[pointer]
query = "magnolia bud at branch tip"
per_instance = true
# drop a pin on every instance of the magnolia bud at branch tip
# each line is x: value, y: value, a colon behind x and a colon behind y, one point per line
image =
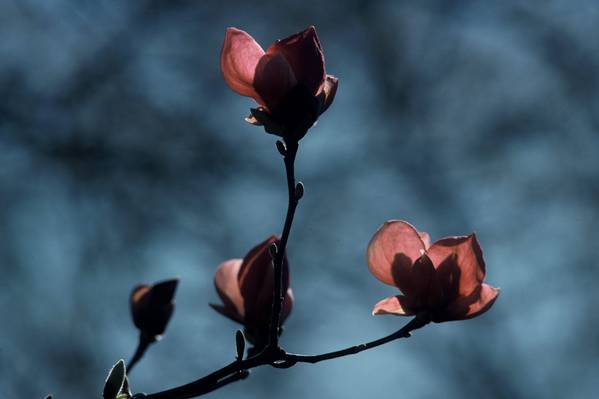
x: 152, y: 307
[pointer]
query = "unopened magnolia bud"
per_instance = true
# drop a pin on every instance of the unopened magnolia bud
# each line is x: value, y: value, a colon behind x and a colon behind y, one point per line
x: 152, y: 307
x: 246, y: 287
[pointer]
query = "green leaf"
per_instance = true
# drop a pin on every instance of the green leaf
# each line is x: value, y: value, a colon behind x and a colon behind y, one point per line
x: 114, y: 381
x: 125, y: 388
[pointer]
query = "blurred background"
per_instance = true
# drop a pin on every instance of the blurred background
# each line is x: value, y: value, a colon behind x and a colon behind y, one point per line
x: 124, y: 158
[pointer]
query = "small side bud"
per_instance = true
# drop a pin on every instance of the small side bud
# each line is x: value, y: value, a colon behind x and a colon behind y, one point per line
x: 240, y: 342
x: 115, y: 380
x: 299, y: 191
x: 273, y: 249
x: 281, y: 147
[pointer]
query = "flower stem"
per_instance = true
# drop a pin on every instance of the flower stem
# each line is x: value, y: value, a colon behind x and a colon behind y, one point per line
x: 217, y: 379
x: 228, y: 374
x: 272, y: 354
x: 143, y: 344
x: 404, y: 332
x: 278, y: 295
x: 237, y: 370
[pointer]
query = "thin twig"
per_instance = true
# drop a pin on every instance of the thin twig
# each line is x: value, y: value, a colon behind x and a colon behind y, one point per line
x: 142, y: 345
x: 206, y: 384
x: 404, y: 332
x: 278, y: 294
x: 279, y: 359
x: 272, y: 354
x: 240, y: 375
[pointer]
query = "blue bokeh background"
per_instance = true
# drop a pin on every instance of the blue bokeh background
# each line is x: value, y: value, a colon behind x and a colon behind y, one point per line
x: 124, y: 158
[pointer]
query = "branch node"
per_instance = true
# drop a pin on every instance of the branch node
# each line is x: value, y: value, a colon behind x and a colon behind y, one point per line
x: 243, y: 374
x: 299, y: 191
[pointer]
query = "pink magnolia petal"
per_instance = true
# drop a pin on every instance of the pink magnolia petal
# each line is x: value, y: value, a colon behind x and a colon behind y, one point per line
x: 397, y: 305
x: 256, y: 273
x: 327, y: 93
x: 152, y: 306
x: 467, y: 307
x: 468, y: 258
x: 238, y: 60
x: 395, y: 246
x: 227, y: 286
x: 303, y: 52
x: 488, y: 296
x: 274, y: 78
x: 259, y: 255
x: 426, y: 238
x: 227, y: 312
x: 256, y: 278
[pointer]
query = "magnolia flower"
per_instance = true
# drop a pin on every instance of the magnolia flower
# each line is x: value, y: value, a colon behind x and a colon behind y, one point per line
x: 444, y: 279
x: 152, y: 307
x: 246, y: 288
x: 288, y: 81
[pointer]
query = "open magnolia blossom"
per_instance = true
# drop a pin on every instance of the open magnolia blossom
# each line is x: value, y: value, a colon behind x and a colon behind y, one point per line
x: 444, y: 279
x: 288, y: 81
x: 246, y: 288
x: 152, y: 307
